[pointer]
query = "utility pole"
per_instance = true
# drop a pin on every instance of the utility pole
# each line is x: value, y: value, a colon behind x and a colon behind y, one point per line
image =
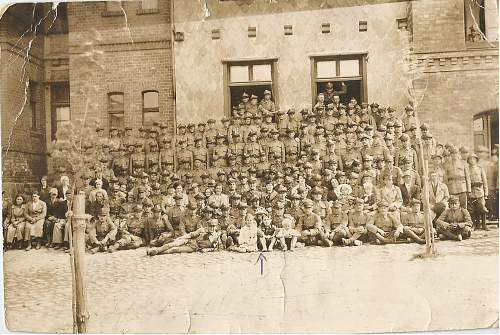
x: 77, y: 253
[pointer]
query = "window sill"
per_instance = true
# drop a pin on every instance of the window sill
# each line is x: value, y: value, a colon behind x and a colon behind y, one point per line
x: 141, y: 11
x: 112, y: 13
x: 481, y: 45
x: 38, y: 133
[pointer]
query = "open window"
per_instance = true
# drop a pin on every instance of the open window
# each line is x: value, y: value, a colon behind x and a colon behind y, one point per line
x: 347, y: 73
x: 115, y: 110
x: 251, y: 77
x: 150, y: 107
x: 481, y: 20
x: 60, y: 106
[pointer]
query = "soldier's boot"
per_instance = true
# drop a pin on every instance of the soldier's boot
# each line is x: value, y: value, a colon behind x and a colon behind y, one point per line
x: 229, y: 242
x: 94, y: 250
x: 283, y: 244
x: 28, y: 247
x: 271, y: 244
x: 224, y: 241
x: 483, y: 221
x: 38, y: 244
x: 113, y: 248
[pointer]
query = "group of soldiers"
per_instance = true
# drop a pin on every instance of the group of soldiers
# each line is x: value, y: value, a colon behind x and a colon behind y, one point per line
x: 266, y: 178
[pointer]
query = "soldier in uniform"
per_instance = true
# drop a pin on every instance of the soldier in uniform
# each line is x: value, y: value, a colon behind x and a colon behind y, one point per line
x: 120, y: 165
x: 253, y: 106
x: 167, y: 155
x: 181, y: 134
x: 138, y: 159
x: 310, y: 227
x: 200, y: 154
x: 252, y: 148
x: 219, y: 152
x: 101, y: 231
x: 336, y: 224
x: 130, y: 235
x: 457, y: 177
x: 282, y: 123
x: 406, y: 152
x: 204, y: 238
x: 191, y: 134
x: 479, y: 190
x: 210, y: 139
x: 266, y: 104
x: 276, y: 149
x: 384, y: 228
x: 237, y: 148
x: 413, y: 223
x: 184, y: 157
x: 175, y: 214
x: 153, y: 158
x: 455, y: 222
x: 357, y: 221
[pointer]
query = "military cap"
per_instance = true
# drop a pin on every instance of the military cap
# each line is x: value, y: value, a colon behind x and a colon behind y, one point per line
x: 252, y: 180
x: 178, y: 197
x: 317, y: 190
x: 163, y: 125
x: 245, y: 95
x: 412, y: 127
x: 453, y: 200
x: 175, y: 177
x: 242, y: 205
x: 290, y: 130
x: 235, y: 196
x: 188, y: 175
x: 427, y: 136
x: 253, y: 96
x: 138, y: 207
x: 295, y: 196
x: 157, y: 208
x: 153, y: 131
x: 464, y: 149
x: 291, y: 111
x: 472, y: 155
x: 211, y: 183
x: 308, y: 203
x: 221, y: 173
x: 382, y: 128
x: 368, y: 127
x: 267, y: 92
x: 389, y: 136
x: 274, y: 131
x: 391, y: 109
x: 260, y: 211
x: 219, y: 135
x: 99, y: 129
x: 281, y: 189
x: 382, y: 203
x: 211, y: 121
x: 404, y: 138
x: 308, y: 165
x: 199, y: 196
x: 181, y: 125
x: 191, y: 125
x: 304, y: 111
x: 224, y: 119
x: 252, y: 170
x: 408, y: 108
x: 104, y: 211
x: 453, y: 149
x: 374, y: 105
x: 281, y: 112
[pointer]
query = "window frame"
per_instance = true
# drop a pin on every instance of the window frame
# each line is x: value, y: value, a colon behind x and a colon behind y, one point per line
x: 145, y: 110
x: 108, y: 12
x: 35, y: 124
x: 337, y: 57
x: 58, y: 104
x: 142, y: 11
x: 112, y: 112
x: 227, y: 63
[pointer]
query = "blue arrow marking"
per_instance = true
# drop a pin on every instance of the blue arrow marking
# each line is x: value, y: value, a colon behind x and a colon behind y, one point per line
x: 261, y: 258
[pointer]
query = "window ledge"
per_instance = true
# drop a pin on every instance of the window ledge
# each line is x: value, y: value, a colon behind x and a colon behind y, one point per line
x: 112, y: 13
x: 481, y: 45
x: 141, y: 11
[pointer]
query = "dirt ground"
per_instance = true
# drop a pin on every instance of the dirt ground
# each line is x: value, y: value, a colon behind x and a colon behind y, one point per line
x: 358, y: 289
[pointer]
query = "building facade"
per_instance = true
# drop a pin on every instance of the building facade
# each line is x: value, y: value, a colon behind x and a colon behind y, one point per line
x: 189, y: 60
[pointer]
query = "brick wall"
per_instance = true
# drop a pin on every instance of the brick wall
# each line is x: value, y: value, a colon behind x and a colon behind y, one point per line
x: 25, y: 160
x: 136, y: 57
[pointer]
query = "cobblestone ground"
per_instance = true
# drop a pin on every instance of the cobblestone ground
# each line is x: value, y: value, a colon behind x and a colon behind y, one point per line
x: 369, y: 288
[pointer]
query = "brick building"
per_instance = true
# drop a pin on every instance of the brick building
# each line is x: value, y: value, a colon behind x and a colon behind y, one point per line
x: 379, y: 49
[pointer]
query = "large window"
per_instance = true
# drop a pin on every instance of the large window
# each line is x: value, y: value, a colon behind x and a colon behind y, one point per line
x: 115, y: 110
x: 347, y: 73
x: 251, y: 77
x: 481, y: 20
x: 150, y: 107
x: 60, y: 106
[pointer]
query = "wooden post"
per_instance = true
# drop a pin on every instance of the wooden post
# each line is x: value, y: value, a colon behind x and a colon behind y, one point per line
x: 78, y: 224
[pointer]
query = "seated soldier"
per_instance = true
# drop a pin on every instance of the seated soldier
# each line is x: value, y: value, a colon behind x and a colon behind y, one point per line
x: 336, y: 223
x: 202, y: 239
x: 385, y: 227
x: 130, y: 234
x: 157, y: 227
x: 357, y: 221
x: 455, y: 222
x: 310, y: 227
x: 101, y: 232
x: 266, y: 234
x: 413, y: 223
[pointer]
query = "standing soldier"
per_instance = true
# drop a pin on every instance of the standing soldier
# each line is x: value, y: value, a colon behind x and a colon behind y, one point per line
x: 219, y: 152
x: 266, y: 104
x: 138, y: 159
x: 282, y: 123
x: 184, y: 157
x: 406, y: 152
x: 479, y: 190
x: 120, y: 165
x: 252, y: 148
x: 210, y: 139
x: 167, y: 155
x: 114, y: 140
x: 457, y: 177
x: 253, y: 107
x: 128, y: 138
x: 153, y: 159
x: 181, y: 134
x: 491, y: 169
x: 191, y: 134
x: 236, y: 148
x: 200, y: 154
x: 276, y: 149
x: 455, y: 223
x: 409, y: 118
x: 292, y: 147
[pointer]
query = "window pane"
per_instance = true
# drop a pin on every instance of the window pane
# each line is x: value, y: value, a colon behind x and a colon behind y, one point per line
x: 349, y: 68
x: 149, y: 4
x: 150, y: 99
x: 239, y: 74
x: 150, y: 117
x: 113, y: 6
x: 60, y: 93
x: 62, y: 114
x: 262, y: 72
x: 115, y: 102
x: 326, y: 69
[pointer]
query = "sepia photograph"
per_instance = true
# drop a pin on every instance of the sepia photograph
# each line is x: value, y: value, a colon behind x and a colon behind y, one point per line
x: 250, y: 166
